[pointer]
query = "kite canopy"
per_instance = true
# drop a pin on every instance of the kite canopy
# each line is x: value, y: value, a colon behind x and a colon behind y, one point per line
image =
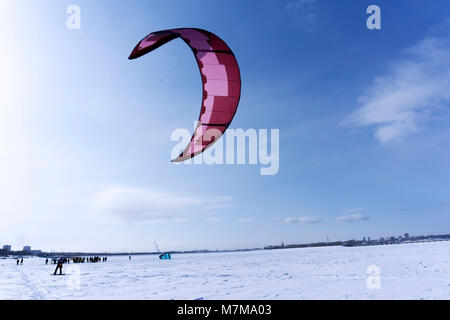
x: 221, y: 82
x: 165, y: 256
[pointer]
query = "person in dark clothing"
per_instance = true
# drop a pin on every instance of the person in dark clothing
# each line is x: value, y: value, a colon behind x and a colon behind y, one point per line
x: 59, y: 266
x: 21, y: 261
x: 46, y: 261
x: 18, y: 261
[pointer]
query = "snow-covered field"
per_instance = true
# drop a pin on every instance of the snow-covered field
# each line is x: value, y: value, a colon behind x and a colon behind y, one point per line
x: 407, y: 271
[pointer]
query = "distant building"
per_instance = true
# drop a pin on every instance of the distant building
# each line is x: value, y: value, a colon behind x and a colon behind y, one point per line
x: 36, y: 252
x: 406, y: 236
x: 6, y: 248
x: 27, y: 249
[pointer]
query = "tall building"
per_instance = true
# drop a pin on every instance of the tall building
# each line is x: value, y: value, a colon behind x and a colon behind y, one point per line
x: 406, y: 236
x: 27, y: 249
x: 6, y: 248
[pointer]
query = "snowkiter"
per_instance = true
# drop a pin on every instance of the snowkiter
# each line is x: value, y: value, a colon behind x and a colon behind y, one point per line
x: 59, y: 266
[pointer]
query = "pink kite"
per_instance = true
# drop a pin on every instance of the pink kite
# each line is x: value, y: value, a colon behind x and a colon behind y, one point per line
x: 221, y: 82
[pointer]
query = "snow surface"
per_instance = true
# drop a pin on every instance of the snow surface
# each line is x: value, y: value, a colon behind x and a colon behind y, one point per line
x: 408, y: 271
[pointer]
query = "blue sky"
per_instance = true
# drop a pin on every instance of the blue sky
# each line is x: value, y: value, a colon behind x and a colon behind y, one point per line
x: 85, y: 133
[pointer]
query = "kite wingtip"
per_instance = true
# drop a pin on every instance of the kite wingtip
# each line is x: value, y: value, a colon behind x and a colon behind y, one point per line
x: 180, y: 158
x: 135, y: 53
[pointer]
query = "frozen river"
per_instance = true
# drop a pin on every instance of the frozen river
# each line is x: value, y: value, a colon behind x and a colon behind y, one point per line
x: 407, y: 271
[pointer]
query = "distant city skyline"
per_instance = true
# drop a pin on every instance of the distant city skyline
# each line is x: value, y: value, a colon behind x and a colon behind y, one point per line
x: 381, y: 240
x: 85, y: 134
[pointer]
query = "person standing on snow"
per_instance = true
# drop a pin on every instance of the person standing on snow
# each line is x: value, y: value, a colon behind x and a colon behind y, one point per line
x: 59, y: 266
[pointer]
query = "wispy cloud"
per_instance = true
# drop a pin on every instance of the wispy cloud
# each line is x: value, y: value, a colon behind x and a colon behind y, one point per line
x: 303, y: 220
x: 352, y: 217
x: 353, y: 210
x: 213, y: 219
x: 219, y: 206
x: 135, y: 204
x: 401, y: 101
x: 246, y: 220
x: 304, y: 13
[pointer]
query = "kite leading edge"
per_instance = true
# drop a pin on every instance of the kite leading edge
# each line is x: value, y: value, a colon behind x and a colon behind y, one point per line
x: 220, y: 77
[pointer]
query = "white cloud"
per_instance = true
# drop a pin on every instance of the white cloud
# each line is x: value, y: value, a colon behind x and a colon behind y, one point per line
x: 134, y: 204
x: 303, y: 220
x: 219, y: 206
x: 246, y: 220
x: 213, y: 219
x: 400, y: 102
x: 353, y: 210
x: 352, y: 217
x: 303, y: 10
